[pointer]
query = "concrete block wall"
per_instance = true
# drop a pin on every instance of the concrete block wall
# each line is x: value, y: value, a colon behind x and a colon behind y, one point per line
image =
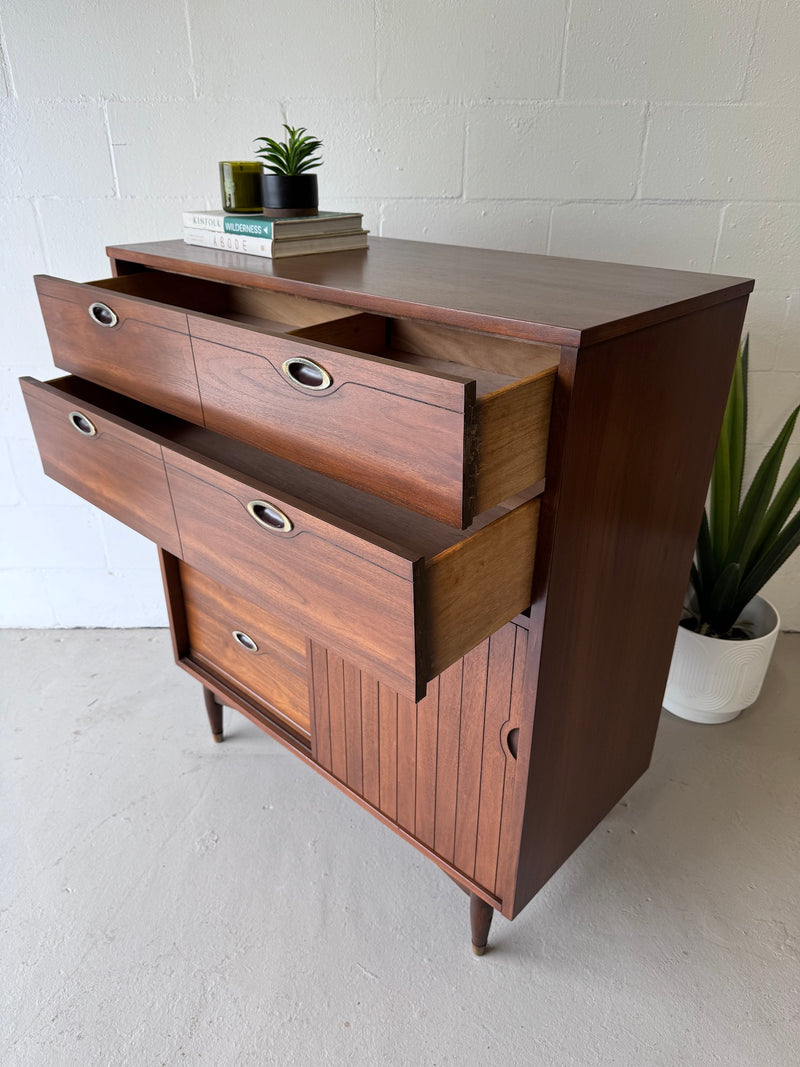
x: 663, y: 132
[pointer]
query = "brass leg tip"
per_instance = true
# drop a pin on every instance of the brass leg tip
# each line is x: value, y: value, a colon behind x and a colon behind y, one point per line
x: 479, y: 950
x: 217, y: 737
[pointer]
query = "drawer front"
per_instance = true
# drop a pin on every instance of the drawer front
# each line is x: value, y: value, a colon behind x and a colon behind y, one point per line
x: 322, y: 579
x: 107, y: 464
x: 404, y: 434
x: 402, y: 596
x: 385, y: 405
x: 250, y: 649
x: 144, y: 352
x: 441, y: 768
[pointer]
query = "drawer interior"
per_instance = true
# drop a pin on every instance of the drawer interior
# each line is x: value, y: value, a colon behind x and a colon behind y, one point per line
x: 353, y: 508
x: 276, y: 312
x: 493, y: 361
x: 451, y: 419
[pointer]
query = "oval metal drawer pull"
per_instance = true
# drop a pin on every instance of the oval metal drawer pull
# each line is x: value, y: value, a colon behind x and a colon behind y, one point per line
x: 269, y: 516
x: 245, y: 640
x: 307, y: 373
x: 82, y: 424
x: 102, y: 314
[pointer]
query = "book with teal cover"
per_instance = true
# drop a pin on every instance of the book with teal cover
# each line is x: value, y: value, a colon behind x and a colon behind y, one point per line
x: 324, y: 222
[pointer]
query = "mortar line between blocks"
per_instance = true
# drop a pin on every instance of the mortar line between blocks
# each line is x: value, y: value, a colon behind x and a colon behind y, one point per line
x: 722, y: 214
x: 111, y: 155
x: 192, y: 75
x: 5, y: 64
x: 42, y: 233
x: 562, y: 70
x: 648, y: 111
x: 750, y: 50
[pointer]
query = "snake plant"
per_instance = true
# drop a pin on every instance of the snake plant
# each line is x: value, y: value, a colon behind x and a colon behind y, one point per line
x: 744, y: 538
x: 292, y: 156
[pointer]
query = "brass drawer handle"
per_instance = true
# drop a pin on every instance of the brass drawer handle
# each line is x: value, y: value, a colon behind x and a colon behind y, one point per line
x: 82, y: 424
x: 102, y: 314
x: 245, y: 640
x: 269, y: 516
x: 307, y: 373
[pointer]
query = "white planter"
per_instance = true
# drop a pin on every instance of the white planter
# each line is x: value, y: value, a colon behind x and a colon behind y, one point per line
x: 712, y: 680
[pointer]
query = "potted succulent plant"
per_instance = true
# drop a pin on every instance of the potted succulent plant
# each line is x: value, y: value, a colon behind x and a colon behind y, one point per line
x: 728, y: 632
x: 287, y: 187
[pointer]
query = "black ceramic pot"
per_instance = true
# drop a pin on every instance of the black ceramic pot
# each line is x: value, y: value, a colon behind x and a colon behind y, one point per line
x: 289, y: 194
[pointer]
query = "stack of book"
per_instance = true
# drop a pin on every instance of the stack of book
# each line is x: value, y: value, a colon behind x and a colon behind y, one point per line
x: 260, y: 235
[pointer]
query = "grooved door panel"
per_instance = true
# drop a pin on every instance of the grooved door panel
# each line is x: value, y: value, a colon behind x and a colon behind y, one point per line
x: 440, y: 769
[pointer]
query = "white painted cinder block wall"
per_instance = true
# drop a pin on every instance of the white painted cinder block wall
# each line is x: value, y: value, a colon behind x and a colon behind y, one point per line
x: 663, y: 132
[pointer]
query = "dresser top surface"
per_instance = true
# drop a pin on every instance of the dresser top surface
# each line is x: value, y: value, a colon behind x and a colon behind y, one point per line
x: 543, y: 298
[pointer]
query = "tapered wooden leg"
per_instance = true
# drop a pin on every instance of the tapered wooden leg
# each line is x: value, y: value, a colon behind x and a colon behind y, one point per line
x: 480, y: 917
x: 214, y: 709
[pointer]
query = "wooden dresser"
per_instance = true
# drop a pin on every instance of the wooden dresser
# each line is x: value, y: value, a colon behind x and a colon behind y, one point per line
x: 425, y: 514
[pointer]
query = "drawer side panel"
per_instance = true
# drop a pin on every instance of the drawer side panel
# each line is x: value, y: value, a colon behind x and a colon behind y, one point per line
x: 116, y: 470
x: 147, y: 355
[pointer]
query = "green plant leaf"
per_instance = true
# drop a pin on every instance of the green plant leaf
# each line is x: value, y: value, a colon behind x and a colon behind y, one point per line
x: 745, y: 350
x: 747, y: 531
x: 736, y: 436
x: 755, y: 536
x: 719, y: 517
x: 784, y: 545
x: 777, y: 514
x: 293, y: 156
x: 308, y: 165
x: 706, y: 568
x: 696, y: 582
x: 722, y: 613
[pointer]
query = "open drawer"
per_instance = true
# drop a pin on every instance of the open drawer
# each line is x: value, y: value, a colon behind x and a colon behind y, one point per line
x: 444, y: 421
x: 398, y: 594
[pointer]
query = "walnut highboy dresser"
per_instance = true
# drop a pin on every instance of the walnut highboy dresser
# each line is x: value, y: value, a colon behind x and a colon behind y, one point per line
x: 425, y: 514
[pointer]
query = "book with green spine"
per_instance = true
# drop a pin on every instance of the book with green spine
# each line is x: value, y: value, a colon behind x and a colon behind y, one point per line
x: 323, y: 223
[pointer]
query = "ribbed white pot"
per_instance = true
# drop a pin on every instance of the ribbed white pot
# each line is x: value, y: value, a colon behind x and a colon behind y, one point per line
x: 712, y: 680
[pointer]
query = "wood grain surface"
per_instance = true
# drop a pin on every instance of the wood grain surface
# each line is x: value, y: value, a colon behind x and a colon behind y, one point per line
x: 433, y: 434
x: 275, y: 674
x: 399, y: 432
x: 529, y: 733
x: 116, y: 469
x: 357, y: 597
x: 542, y: 298
x: 391, y: 611
x: 396, y: 593
x: 147, y: 355
x: 635, y: 426
x: 475, y: 587
x: 438, y: 768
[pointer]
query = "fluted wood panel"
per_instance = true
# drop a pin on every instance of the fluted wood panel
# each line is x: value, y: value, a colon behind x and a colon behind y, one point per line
x: 440, y: 768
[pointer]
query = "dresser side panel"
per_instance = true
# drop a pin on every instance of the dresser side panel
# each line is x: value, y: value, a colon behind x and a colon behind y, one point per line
x: 636, y: 423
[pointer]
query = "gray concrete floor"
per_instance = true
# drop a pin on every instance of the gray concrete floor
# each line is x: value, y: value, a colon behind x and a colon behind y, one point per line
x: 169, y: 901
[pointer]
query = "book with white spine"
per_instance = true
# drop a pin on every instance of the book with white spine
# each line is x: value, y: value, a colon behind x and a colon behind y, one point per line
x: 277, y: 248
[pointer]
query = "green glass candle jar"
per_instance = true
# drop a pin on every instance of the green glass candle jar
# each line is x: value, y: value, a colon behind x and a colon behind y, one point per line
x: 240, y: 185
